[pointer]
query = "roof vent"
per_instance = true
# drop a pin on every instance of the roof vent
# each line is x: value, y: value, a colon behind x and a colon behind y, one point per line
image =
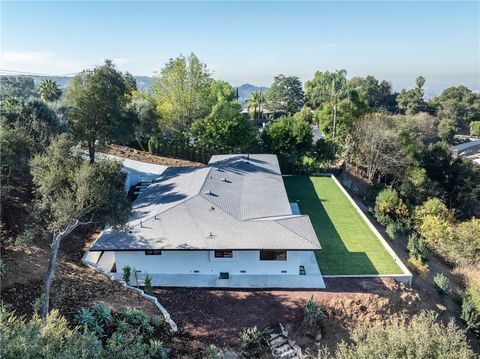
x: 209, y: 192
x: 212, y: 208
x: 225, y: 180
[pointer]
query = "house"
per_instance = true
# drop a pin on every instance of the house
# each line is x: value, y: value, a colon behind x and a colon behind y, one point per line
x: 470, y: 149
x: 228, y: 224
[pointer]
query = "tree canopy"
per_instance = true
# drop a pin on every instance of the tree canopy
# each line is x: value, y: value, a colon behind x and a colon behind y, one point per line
x: 98, y: 101
x: 285, y: 95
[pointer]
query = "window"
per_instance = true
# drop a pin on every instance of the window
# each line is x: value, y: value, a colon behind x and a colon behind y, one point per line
x: 273, y: 255
x: 223, y: 254
x: 153, y: 252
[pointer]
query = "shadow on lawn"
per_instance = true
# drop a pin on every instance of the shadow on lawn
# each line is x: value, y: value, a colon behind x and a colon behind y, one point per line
x: 302, y: 190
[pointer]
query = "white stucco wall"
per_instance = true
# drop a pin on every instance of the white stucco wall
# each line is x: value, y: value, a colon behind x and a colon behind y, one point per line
x: 186, y: 262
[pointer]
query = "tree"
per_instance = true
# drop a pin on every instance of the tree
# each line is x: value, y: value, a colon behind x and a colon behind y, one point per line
x: 458, y: 103
x: 420, y: 337
x: 411, y: 101
x: 225, y: 129
x: 327, y: 87
x: 146, y: 120
x: 49, y: 90
x: 447, y: 128
x: 98, y: 114
x: 18, y: 87
x: 181, y: 91
x: 379, y: 95
x: 256, y: 102
x: 285, y: 95
x: 70, y: 193
x: 377, y: 147
x: 288, y: 137
x: 475, y: 128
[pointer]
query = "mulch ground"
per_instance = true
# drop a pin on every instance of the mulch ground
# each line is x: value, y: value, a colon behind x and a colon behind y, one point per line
x: 134, y: 154
x: 208, y: 316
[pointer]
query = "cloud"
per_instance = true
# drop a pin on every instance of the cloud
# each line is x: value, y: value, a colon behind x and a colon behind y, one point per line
x: 122, y: 61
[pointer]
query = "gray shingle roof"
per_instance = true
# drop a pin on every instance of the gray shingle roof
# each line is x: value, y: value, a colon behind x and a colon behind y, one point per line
x: 237, y: 202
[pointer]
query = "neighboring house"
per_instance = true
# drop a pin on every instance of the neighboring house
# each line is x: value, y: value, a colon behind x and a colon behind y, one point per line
x: 229, y: 224
x: 469, y: 149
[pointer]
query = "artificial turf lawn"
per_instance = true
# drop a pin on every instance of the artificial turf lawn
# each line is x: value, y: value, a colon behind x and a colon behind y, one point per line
x: 348, y: 244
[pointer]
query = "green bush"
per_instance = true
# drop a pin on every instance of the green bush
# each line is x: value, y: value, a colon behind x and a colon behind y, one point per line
x: 158, y: 350
x: 441, y: 283
x: 251, y: 341
x: 422, y: 337
x: 3, y: 268
x: 148, y: 284
x: 390, y: 209
x: 475, y: 128
x: 391, y: 230
x: 102, y: 314
x: 211, y: 352
x: 417, y: 247
x: 470, y: 315
x: 313, y: 314
x: 127, y: 271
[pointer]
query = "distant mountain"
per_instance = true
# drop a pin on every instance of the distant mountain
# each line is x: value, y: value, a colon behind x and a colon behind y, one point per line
x: 245, y: 90
x: 143, y: 82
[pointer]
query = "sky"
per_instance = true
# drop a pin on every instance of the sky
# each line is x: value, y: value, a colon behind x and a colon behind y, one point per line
x: 250, y: 42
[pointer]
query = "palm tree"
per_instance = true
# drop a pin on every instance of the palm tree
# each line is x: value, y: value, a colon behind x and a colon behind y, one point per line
x: 49, y: 90
x: 256, y: 101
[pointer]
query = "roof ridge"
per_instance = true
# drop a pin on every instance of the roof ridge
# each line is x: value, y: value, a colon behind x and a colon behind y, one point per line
x: 168, y: 209
x: 292, y: 230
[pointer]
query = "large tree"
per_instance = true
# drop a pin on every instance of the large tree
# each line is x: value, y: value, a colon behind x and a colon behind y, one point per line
x: 458, y: 103
x: 19, y: 87
x: 412, y: 101
x: 288, y: 137
x: 379, y: 94
x: 225, y: 129
x: 70, y: 193
x: 285, y: 95
x: 182, y: 90
x: 49, y: 90
x: 327, y: 87
x: 378, y: 148
x: 98, y: 99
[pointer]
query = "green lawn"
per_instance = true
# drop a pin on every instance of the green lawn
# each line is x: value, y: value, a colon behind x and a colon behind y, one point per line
x: 348, y: 244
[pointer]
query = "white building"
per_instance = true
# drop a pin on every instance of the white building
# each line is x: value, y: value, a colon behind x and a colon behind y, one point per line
x: 228, y: 224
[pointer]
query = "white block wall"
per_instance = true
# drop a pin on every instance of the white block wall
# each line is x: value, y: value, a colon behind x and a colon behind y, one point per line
x: 185, y: 262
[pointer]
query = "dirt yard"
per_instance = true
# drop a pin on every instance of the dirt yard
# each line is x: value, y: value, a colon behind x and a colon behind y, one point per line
x: 143, y: 156
x: 217, y: 316
x: 75, y: 285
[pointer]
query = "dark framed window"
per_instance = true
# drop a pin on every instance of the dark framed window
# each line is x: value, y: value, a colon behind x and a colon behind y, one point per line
x: 223, y: 254
x: 273, y: 255
x: 153, y: 252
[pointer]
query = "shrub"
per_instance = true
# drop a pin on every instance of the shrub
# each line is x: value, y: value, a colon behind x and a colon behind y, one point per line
x: 211, y: 352
x: 158, y: 350
x: 251, y: 340
x: 433, y: 207
x: 418, y: 266
x: 470, y: 315
x: 391, y: 230
x: 85, y: 318
x: 475, y: 128
x: 465, y: 249
x: 126, y: 274
x: 441, y: 283
x: 421, y: 338
x: 390, y: 208
x: 417, y: 247
x: 102, y: 313
x: 157, y: 321
x: 148, y: 285
x: 313, y: 314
